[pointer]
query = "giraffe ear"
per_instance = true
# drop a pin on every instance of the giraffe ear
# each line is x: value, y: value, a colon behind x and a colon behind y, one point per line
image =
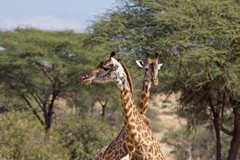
x: 157, y: 54
x: 140, y: 63
x: 160, y: 65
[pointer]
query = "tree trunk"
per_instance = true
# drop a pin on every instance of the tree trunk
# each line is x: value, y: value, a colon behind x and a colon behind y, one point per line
x: 216, y: 119
x: 235, y: 144
x: 217, y: 134
x: 48, y: 122
x: 103, y: 107
x: 49, y: 111
x: 103, y: 111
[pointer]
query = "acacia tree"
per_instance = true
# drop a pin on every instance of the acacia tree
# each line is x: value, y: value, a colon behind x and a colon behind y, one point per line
x: 38, y: 67
x: 205, y: 39
x: 200, y: 44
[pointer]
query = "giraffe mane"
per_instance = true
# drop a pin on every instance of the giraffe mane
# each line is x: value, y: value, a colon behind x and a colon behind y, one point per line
x: 128, y: 76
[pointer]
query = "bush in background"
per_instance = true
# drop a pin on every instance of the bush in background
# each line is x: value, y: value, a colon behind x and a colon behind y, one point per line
x: 23, y: 137
x: 84, y: 136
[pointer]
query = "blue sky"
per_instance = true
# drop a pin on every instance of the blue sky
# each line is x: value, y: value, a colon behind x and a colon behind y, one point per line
x: 51, y: 14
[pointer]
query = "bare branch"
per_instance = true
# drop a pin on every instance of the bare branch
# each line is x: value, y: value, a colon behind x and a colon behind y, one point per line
x: 226, y: 131
x: 27, y: 101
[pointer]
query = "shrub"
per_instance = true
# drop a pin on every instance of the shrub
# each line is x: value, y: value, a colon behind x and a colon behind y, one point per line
x: 23, y: 137
x: 84, y: 136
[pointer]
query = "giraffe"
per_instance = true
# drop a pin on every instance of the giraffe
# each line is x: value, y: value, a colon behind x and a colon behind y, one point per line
x: 150, y: 76
x: 138, y: 137
x: 151, y: 68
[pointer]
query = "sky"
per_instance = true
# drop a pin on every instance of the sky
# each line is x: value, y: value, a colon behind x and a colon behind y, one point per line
x: 51, y: 14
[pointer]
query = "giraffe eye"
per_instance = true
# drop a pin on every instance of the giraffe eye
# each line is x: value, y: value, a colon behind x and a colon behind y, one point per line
x: 105, y: 68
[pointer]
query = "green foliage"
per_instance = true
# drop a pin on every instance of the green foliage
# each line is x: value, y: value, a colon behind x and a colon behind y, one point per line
x: 199, y: 143
x: 84, y: 136
x: 198, y: 140
x: 27, y: 86
x: 73, y: 137
x: 37, y: 67
x: 206, y: 32
x: 199, y: 43
x: 22, y: 137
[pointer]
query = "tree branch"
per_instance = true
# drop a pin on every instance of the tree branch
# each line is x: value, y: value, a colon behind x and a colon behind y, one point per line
x: 27, y: 101
x: 36, y: 97
x: 226, y: 131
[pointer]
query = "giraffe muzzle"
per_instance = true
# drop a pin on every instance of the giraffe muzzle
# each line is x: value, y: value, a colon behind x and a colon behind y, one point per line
x: 86, y: 80
x: 155, y: 82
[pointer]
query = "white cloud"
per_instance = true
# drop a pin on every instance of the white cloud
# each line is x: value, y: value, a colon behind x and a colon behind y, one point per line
x: 43, y: 22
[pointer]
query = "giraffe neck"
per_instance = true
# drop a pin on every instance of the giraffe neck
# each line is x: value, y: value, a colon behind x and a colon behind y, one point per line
x: 145, y: 94
x: 130, y: 116
x: 130, y: 113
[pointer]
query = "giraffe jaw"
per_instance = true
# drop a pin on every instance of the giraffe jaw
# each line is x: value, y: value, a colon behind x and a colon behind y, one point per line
x: 101, y: 77
x: 86, y: 80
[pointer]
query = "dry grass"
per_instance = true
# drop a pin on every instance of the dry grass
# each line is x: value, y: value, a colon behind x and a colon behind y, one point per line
x: 167, y: 119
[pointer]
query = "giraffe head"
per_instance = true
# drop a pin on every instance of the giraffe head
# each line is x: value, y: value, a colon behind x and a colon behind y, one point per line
x: 151, y: 68
x: 110, y: 70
